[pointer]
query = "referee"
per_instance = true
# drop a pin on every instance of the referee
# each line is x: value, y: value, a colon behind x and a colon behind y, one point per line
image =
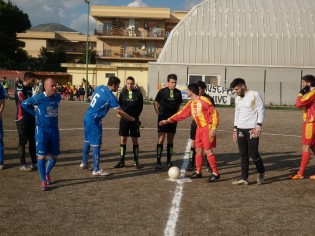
x: 131, y: 102
x: 167, y: 103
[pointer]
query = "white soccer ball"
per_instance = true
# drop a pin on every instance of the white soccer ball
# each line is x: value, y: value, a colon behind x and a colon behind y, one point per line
x: 174, y: 172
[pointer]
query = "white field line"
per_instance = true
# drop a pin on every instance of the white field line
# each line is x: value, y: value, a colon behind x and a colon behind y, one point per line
x: 220, y: 130
x: 175, y: 208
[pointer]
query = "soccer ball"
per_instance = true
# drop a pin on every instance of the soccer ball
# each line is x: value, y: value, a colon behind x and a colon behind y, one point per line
x: 174, y: 172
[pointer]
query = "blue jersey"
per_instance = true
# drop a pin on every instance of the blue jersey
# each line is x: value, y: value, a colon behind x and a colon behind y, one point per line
x: 103, y: 99
x: 46, y: 109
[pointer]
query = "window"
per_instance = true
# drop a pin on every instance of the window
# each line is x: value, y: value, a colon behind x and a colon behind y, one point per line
x: 107, y: 75
x: 208, y: 79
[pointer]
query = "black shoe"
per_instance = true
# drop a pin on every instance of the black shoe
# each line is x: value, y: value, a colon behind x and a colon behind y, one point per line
x: 196, y: 175
x: 120, y: 164
x: 169, y: 164
x: 158, y: 166
x: 136, y: 165
x: 213, y: 178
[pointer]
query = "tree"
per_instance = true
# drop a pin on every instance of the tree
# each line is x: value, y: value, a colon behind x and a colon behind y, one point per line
x: 12, y: 21
x: 50, y: 61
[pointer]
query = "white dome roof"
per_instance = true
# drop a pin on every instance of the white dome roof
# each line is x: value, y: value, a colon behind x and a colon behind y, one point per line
x: 245, y: 32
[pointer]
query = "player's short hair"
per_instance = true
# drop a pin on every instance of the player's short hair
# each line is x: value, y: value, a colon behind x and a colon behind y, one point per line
x: 130, y: 78
x: 201, y: 84
x: 28, y: 75
x: 309, y: 79
x: 194, y: 88
x: 113, y: 80
x: 237, y: 82
x: 171, y: 76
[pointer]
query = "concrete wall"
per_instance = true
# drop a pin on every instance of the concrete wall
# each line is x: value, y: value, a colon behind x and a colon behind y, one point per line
x: 277, y: 86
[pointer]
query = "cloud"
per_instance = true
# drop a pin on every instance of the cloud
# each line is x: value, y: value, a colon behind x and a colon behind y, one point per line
x: 80, y: 22
x: 189, y: 4
x: 137, y: 3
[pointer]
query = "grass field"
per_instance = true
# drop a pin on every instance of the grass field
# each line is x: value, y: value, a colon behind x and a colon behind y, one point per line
x: 145, y: 202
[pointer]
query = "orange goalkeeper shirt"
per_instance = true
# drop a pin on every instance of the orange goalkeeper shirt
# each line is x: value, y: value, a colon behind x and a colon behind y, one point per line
x: 202, y: 111
x: 307, y: 102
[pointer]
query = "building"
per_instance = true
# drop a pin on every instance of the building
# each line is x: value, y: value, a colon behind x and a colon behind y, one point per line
x: 127, y: 38
x: 268, y: 43
x: 52, y: 36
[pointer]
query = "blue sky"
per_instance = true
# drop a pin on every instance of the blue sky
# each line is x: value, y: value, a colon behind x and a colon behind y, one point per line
x: 73, y: 13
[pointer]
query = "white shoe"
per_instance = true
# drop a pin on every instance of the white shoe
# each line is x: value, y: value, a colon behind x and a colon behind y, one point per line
x: 240, y: 182
x: 1, y: 167
x: 25, y: 168
x: 85, y: 166
x: 100, y: 172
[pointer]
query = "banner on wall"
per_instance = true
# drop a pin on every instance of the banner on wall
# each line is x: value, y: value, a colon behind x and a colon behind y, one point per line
x: 220, y: 94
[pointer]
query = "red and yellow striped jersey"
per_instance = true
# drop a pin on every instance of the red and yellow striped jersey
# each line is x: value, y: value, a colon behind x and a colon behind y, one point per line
x: 307, y: 102
x: 202, y: 111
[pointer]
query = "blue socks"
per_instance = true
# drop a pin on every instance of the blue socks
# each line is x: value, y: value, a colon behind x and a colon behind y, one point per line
x: 41, y: 169
x: 96, y: 158
x: 86, y: 150
x: 50, y: 164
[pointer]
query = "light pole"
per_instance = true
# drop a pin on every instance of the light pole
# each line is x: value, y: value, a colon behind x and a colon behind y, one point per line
x: 87, y: 51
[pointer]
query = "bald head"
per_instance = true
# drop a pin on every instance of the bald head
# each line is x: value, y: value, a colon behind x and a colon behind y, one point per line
x: 50, y: 87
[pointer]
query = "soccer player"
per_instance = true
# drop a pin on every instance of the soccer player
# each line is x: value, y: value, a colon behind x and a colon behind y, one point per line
x: 249, y: 116
x: 102, y: 100
x: 131, y: 102
x: 202, y: 92
x: 25, y: 122
x: 306, y: 100
x: 167, y: 103
x: 207, y: 120
x: 2, y: 104
x: 46, y: 106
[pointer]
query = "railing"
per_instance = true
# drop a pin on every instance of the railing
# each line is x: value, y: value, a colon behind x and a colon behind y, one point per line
x: 153, y: 33
x: 127, y: 55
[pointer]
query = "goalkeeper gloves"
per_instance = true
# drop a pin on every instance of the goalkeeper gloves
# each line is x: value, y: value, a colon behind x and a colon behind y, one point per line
x: 305, y: 90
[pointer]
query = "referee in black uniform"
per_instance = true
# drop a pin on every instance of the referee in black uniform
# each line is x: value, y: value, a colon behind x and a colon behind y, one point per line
x: 167, y: 103
x: 131, y: 102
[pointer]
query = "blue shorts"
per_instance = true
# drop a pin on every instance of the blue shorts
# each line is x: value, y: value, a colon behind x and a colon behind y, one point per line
x: 92, y: 131
x: 47, y: 141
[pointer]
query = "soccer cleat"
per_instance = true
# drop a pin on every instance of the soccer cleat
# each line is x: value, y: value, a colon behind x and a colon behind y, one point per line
x: 169, y: 164
x: 213, y: 178
x: 261, y: 179
x: 85, y: 166
x: 136, y: 165
x: 1, y: 167
x: 312, y: 177
x: 48, y: 180
x: 240, y: 182
x: 43, y: 186
x: 120, y: 164
x: 296, y: 176
x: 158, y: 166
x: 196, y: 175
x: 25, y: 167
x: 34, y: 167
x: 100, y: 172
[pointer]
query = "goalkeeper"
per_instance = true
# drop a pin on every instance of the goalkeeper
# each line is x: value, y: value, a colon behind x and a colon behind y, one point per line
x: 306, y: 100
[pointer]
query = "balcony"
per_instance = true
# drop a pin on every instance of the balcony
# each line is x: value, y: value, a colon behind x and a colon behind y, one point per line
x: 126, y: 33
x: 132, y: 56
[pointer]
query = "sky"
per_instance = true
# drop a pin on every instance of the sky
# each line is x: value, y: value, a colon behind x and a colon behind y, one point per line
x: 73, y: 13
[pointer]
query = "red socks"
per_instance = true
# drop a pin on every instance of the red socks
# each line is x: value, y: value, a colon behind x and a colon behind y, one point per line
x: 213, y: 163
x: 304, y: 162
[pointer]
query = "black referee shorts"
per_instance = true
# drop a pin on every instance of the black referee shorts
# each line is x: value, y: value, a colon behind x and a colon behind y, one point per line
x: 128, y: 128
x: 169, y: 128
